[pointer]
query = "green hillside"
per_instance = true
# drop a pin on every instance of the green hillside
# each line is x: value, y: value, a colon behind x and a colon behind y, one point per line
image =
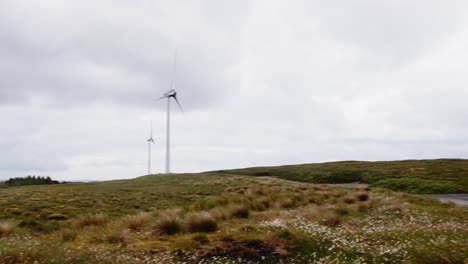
x: 415, y: 176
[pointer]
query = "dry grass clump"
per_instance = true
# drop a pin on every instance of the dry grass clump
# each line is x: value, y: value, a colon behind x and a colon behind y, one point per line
x: 341, y: 209
x: 362, y: 196
x: 67, y: 234
x: 136, y: 222
x: 349, y: 200
x: 6, y: 228
x: 117, y: 236
x: 315, y: 199
x: 330, y: 218
x: 201, y: 222
x: 324, y: 194
x: 220, y: 213
x: 91, y: 220
x: 362, y: 189
x: 337, y: 193
x: 312, y: 213
x: 239, y: 211
x: 367, y: 205
x: 168, y: 225
x: 286, y: 203
x: 261, y: 204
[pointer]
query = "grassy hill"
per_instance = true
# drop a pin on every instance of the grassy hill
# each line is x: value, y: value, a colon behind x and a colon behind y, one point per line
x: 225, y: 218
x: 415, y: 176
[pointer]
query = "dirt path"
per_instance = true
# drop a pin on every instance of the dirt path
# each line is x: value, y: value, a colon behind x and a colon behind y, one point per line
x: 459, y: 199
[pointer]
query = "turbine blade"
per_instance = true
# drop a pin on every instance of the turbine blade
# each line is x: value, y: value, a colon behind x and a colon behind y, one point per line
x: 174, y: 70
x: 177, y: 101
x: 151, y: 129
x: 160, y: 98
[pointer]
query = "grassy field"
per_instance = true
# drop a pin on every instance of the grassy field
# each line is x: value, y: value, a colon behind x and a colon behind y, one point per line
x: 414, y: 176
x: 225, y: 218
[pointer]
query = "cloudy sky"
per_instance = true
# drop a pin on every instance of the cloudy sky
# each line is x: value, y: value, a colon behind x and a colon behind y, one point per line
x: 262, y: 82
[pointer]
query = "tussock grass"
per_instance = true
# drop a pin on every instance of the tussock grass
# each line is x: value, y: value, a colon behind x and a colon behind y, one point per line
x: 362, y: 196
x: 201, y: 222
x: 117, y: 236
x: 349, y: 200
x: 68, y: 234
x: 330, y: 218
x: 6, y: 228
x: 136, y: 222
x: 168, y: 225
x: 220, y: 213
x: 239, y: 211
x: 286, y: 203
x: 91, y: 220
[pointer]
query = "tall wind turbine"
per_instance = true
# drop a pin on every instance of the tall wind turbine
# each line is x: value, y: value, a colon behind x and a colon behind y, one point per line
x: 150, y: 141
x: 170, y: 94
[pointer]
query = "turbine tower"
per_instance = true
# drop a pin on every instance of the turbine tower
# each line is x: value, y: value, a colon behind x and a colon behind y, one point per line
x: 150, y: 141
x: 170, y: 94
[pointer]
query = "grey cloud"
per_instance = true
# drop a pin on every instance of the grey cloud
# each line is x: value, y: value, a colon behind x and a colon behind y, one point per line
x: 115, y: 52
x: 390, y: 33
x: 262, y: 82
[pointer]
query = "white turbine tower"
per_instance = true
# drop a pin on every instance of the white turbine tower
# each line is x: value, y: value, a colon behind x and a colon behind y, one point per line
x: 170, y: 94
x: 150, y: 141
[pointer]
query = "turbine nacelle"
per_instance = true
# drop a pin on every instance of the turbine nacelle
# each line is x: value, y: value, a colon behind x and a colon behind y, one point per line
x: 171, y: 93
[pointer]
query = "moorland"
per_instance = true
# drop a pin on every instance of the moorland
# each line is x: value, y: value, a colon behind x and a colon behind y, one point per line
x: 255, y: 215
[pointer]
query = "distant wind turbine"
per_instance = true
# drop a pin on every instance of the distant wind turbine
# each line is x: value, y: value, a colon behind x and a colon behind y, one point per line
x: 150, y: 141
x: 170, y: 94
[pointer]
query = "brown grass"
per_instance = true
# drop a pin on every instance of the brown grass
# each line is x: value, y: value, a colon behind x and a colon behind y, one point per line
x: 6, y: 228
x: 330, y: 218
x: 168, y: 225
x: 91, y: 220
x: 201, y: 222
x: 239, y: 211
x: 349, y: 200
x: 136, y: 222
x: 362, y: 196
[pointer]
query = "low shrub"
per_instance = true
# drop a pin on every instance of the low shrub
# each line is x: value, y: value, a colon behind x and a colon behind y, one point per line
x: 419, y: 186
x: 347, y: 176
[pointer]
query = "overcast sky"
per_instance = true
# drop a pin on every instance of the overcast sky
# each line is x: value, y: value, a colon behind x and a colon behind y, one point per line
x: 261, y: 82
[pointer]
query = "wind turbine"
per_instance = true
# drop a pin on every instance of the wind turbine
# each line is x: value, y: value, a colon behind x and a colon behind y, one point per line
x: 150, y: 141
x: 170, y: 94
